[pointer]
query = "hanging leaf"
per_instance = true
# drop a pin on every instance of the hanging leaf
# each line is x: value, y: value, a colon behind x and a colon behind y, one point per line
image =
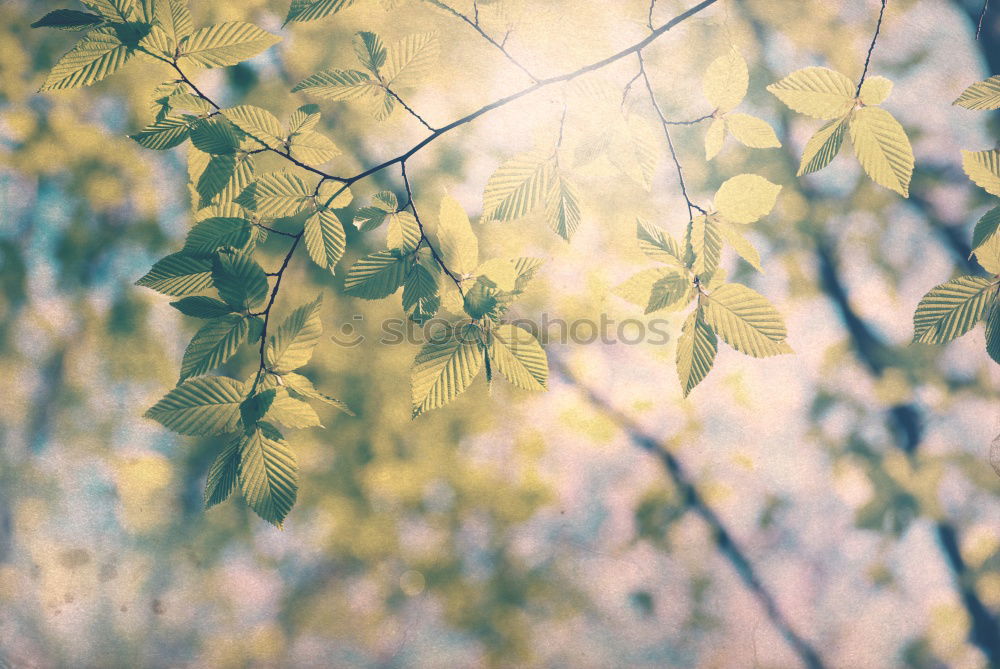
x: 457, y: 242
x: 269, y: 475
x: 240, y: 280
x: 310, y: 10
x: 726, y: 80
x: 715, y: 137
x: 671, y: 292
x: 370, y: 51
x: 823, y: 146
x: 200, y: 306
x: 292, y: 345
x: 201, y: 406
x: 164, y: 133
x: 751, y: 131
x: 259, y: 123
x: 993, y: 349
x: 746, y: 198
x: 952, y: 308
x: 657, y: 244
x: 211, y: 234
x: 223, y: 473
x: 99, y: 54
x: 172, y: 16
x: 303, y: 387
x: 875, y: 90
x: 325, y: 239
x: 882, y: 148
x: 179, y: 274
x: 216, y: 135
x: 983, y: 167
x: 291, y: 412
x: 224, y: 44
x: 276, y: 194
x: 376, y: 276
x: 816, y: 91
x: 706, y: 244
x: 445, y: 367
x: 519, y: 357
x: 696, y: 349
x: 517, y: 187
x: 639, y: 288
x: 215, y: 343
x: 982, y: 95
x: 986, y: 228
x: 746, y: 321
x: 410, y: 59
x: 404, y: 232
x: 733, y: 236
x: 988, y: 255
x: 303, y: 119
x: 339, y: 85
x: 562, y: 207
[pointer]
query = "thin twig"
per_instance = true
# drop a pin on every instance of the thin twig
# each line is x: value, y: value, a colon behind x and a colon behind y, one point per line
x: 423, y: 233
x: 409, y: 109
x: 275, y: 231
x: 871, y: 47
x: 982, y: 15
x: 279, y: 275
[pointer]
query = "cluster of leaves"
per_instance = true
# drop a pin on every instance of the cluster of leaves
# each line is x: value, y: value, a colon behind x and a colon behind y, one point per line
x: 880, y: 143
x: 725, y: 85
x: 954, y: 307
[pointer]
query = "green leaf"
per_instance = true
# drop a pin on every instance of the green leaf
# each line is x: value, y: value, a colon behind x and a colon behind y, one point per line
x: 164, y: 133
x: 993, y: 334
x: 212, y: 234
x: 657, y: 244
x: 224, y: 44
x: 671, y: 291
x: 375, y: 276
x: 240, y: 280
x: 706, y: 244
x: 726, y: 80
x: 215, y: 343
x: 114, y: 10
x: 303, y: 387
x: 172, y: 16
x: 292, y: 413
x: 310, y: 10
x: 986, y: 228
x: 258, y: 123
x: 519, y: 357
x: 562, y: 207
x: 816, y: 91
x: 458, y: 243
x: 333, y: 195
x: 201, y: 406
x: 292, y: 345
x: 178, y: 274
x: 882, y: 148
x: 745, y: 198
x: 223, y: 473
x: 158, y: 44
x: 100, y: 53
x: 312, y: 148
x: 952, y: 308
x: 988, y: 255
x: 303, y: 119
x: 216, y: 135
x: 276, y: 194
x: 983, y: 167
x: 445, y: 367
x: 696, y: 349
x: 269, y: 474
x: 68, y: 19
x: 981, y: 95
x: 823, y: 146
x: 219, y: 179
x: 200, y: 306
x: 386, y: 201
x: 751, y: 131
x: 746, y: 321
x: 875, y: 90
x: 340, y: 85
x: 715, y: 137
x: 404, y: 232
x: 370, y: 51
x: 410, y: 59
x: 325, y: 239
x: 420, y: 291
x: 517, y: 187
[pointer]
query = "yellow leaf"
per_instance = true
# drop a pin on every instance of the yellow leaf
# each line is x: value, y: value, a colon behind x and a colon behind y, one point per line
x: 823, y: 146
x: 714, y: 138
x: 745, y: 198
x: 981, y: 95
x: 501, y: 272
x: 752, y: 131
x: 983, y: 167
x: 875, y: 90
x: 816, y: 91
x: 459, y: 244
x: 988, y: 254
x: 882, y: 148
x: 726, y: 80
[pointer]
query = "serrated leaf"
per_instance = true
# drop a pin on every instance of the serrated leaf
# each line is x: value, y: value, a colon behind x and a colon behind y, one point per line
x: 671, y: 291
x: 303, y: 387
x: 220, y: 179
x: 816, y: 91
x: 993, y: 349
x: 501, y: 272
x: 726, y: 80
x: 292, y: 345
x: 981, y: 95
x: 252, y: 409
x: 657, y: 244
x: 258, y: 123
x: 158, y: 44
x: 988, y: 254
x: 310, y: 10
x: 68, y: 19
x: 325, y: 239
x: 291, y: 412
x: 114, y: 10
x: 823, y: 146
x: 639, y: 288
x: 746, y: 321
x: 952, y: 308
x: 875, y: 90
x: 882, y: 148
x: 211, y: 234
x: 706, y: 244
x: 303, y: 119
x: 216, y: 136
x: 340, y: 85
x: 333, y: 195
x: 751, y: 131
x: 458, y: 243
x: 224, y: 44
x: 240, y: 281
x: 746, y: 198
x: 100, y: 53
x: 215, y: 343
x: 276, y: 194
x: 404, y: 231
x: 562, y: 206
x: 200, y: 306
x: 370, y: 51
x: 519, y: 357
x: 696, y: 350
x: 312, y: 148
x: 164, y: 133
x: 518, y: 186
x: 445, y: 367
x: 734, y: 237
x: 375, y: 276
x: 410, y: 59
x: 269, y: 475
x: 983, y: 167
x: 986, y: 228
x: 715, y: 137
x: 369, y: 218
x: 420, y: 290
x: 201, y: 406
x: 178, y: 274
x: 172, y: 16
x: 223, y: 473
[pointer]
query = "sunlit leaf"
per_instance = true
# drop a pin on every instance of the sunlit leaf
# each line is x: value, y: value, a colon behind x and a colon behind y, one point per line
x: 201, y: 406
x: 269, y: 475
x: 726, y: 80
x: 823, y: 146
x: 751, y: 131
x: 276, y: 194
x: 222, y: 475
x: 696, y: 349
x: 562, y: 206
x: 215, y: 343
x: 516, y: 354
x: 68, y: 19
x: 445, y: 367
x: 325, y: 239
x: 715, y: 137
x: 746, y: 321
x: 179, y: 274
x: 100, y: 53
x: 983, y: 167
x: 875, y: 90
x: 259, y: 123
x: 240, y: 280
x: 410, y: 59
x: 458, y: 243
x: 816, y: 91
x: 376, y: 276
x: 517, y: 187
x: 981, y: 95
x: 291, y: 346
x: 224, y: 44
x: 164, y: 133
x: 310, y: 10
x: 882, y: 148
x: 312, y: 148
x: 952, y: 308
x: 746, y: 198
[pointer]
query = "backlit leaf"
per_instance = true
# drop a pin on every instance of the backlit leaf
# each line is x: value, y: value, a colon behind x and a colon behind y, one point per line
x: 751, y: 131
x: 823, y: 146
x: 445, y: 367
x: 726, y: 80
x: 98, y: 54
x: 516, y: 354
x: 983, y: 167
x: 292, y: 345
x: 875, y: 90
x: 205, y: 405
x: 746, y: 321
x: 518, y: 186
x: 696, y: 349
x: 179, y: 274
x: 215, y: 343
x: 224, y: 44
x: 746, y: 198
x: 952, y: 308
x: 458, y: 244
x: 325, y: 239
x: 816, y: 91
x: 981, y: 95
x: 882, y: 148
x: 269, y: 474
x: 376, y: 276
